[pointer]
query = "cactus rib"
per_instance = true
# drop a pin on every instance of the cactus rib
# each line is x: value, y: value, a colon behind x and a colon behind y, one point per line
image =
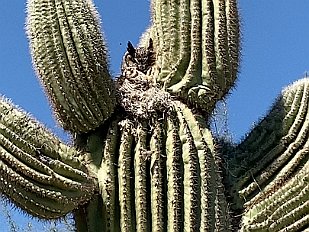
x: 158, y: 182
x: 192, y: 73
x: 174, y: 177
x: 140, y: 176
x: 107, y: 179
x: 191, y: 179
x: 127, y: 217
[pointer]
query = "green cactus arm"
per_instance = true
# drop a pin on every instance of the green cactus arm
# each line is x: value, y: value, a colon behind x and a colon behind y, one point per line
x: 197, y: 48
x: 70, y: 57
x: 269, y: 170
x: 38, y: 172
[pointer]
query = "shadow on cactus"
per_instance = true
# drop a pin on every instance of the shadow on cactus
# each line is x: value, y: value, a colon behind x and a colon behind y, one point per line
x: 143, y: 157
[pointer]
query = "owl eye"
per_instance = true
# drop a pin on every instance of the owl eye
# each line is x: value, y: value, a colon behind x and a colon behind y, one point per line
x: 130, y: 61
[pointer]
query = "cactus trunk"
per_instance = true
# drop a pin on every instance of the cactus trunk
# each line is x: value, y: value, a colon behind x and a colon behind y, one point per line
x: 165, y: 175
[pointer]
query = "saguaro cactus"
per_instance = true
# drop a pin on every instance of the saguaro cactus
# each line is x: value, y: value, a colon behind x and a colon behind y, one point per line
x: 143, y: 157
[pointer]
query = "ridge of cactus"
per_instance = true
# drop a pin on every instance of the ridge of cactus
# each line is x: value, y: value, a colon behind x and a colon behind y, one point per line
x: 157, y: 171
x: 197, y: 47
x: 34, y: 172
x: 174, y: 177
x: 126, y: 189
x: 107, y: 178
x: 269, y: 170
x: 140, y: 176
x: 70, y: 58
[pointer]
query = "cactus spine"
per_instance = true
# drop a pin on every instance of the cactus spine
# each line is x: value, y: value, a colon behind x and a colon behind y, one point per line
x: 143, y: 157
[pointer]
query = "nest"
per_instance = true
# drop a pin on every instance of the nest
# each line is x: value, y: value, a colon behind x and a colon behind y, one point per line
x: 140, y: 96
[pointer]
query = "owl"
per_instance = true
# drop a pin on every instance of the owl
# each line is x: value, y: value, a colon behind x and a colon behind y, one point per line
x: 141, y: 58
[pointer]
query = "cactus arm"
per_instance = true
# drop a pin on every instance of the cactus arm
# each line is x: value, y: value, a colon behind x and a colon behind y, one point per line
x: 70, y: 58
x: 287, y: 209
x: 198, y: 54
x: 38, y: 172
x: 270, y: 167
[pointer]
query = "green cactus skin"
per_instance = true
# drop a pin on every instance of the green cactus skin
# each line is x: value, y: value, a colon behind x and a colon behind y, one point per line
x: 38, y: 172
x: 70, y: 58
x: 271, y: 182
x: 143, y: 157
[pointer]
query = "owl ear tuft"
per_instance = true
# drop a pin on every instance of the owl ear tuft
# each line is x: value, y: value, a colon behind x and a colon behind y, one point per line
x: 131, y: 50
x: 150, y: 45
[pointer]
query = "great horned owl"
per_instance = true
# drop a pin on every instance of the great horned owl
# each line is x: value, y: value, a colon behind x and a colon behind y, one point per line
x: 141, y: 58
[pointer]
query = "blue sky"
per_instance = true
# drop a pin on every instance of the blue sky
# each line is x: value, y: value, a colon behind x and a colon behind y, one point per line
x: 274, y: 54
